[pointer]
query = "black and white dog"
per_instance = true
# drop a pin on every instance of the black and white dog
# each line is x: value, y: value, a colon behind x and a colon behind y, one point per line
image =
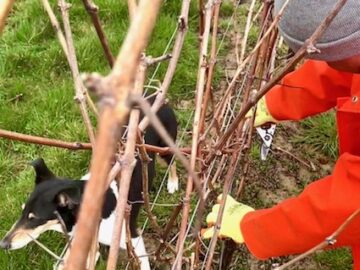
x: 53, y: 195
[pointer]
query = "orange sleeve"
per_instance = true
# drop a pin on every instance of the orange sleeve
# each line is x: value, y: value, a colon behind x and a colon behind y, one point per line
x: 300, y: 223
x: 311, y: 89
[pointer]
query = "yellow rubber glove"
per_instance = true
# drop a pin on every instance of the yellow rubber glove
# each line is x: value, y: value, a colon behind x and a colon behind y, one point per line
x: 234, y: 212
x: 263, y: 115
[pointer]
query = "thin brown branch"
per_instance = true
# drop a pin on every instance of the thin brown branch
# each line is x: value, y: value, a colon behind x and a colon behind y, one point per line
x: 247, y: 30
x: 132, y: 8
x: 329, y: 241
x: 79, y: 87
x: 196, y: 131
x: 44, y: 141
x: 56, y: 25
x: 5, y: 7
x: 144, y: 105
x: 133, y: 258
x: 128, y: 162
x: 152, y: 61
x: 167, y: 229
x: 229, y: 178
x: 179, y: 42
x: 211, y: 67
x: 145, y: 187
x: 93, y: 10
x: 63, y: 226
x: 115, y: 89
x: 308, y: 165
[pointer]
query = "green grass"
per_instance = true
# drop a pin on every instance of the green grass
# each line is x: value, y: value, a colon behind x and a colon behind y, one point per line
x: 339, y: 259
x: 320, y: 134
x: 33, y: 65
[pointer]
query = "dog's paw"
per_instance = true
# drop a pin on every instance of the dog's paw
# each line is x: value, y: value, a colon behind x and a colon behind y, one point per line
x: 173, y: 185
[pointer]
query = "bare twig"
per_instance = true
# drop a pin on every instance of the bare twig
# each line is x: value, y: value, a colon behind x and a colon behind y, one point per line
x: 79, y: 87
x: 167, y: 229
x: 5, y: 7
x: 114, y: 89
x: 134, y: 259
x: 63, y: 226
x: 128, y: 162
x: 132, y: 8
x: 45, y: 248
x: 179, y: 42
x: 308, y: 165
x: 62, y: 40
x: 196, y: 131
x: 152, y: 61
x: 93, y: 10
x: 56, y: 26
x: 43, y: 141
x: 247, y: 30
x: 145, y: 187
x: 167, y: 139
x: 211, y: 67
x: 227, y: 186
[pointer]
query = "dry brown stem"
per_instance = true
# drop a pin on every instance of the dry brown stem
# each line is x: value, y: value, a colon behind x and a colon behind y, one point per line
x: 128, y: 162
x: 227, y: 185
x: 56, y: 25
x: 145, y: 187
x: 44, y: 141
x: 247, y: 30
x: 145, y: 107
x: 196, y: 131
x: 167, y: 229
x: 5, y: 7
x: 93, y: 10
x: 211, y: 66
x: 175, y: 55
x: 133, y: 258
x: 132, y: 8
x: 79, y: 87
x: 114, y: 89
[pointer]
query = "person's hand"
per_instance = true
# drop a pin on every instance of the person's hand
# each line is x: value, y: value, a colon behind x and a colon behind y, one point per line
x: 263, y: 115
x: 230, y: 225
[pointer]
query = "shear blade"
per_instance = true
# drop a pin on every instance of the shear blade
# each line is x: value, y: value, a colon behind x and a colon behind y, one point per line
x: 267, y: 134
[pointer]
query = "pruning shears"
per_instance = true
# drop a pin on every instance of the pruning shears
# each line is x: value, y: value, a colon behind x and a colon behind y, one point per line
x: 266, y: 133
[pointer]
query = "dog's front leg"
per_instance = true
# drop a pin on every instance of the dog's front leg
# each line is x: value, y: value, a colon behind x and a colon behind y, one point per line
x: 173, y: 180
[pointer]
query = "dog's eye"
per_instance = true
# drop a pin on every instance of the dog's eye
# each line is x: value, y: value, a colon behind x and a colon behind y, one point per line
x: 31, y: 216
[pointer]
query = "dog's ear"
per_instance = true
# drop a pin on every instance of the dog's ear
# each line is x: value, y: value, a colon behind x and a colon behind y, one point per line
x: 42, y: 171
x: 68, y: 197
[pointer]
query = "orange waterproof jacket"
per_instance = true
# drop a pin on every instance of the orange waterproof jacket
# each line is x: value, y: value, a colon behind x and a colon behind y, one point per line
x: 298, y: 224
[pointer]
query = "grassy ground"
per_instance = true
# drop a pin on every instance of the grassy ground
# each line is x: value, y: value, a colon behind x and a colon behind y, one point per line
x: 32, y: 64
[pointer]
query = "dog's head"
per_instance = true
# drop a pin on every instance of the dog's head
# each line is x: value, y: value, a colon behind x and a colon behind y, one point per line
x: 50, y: 194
